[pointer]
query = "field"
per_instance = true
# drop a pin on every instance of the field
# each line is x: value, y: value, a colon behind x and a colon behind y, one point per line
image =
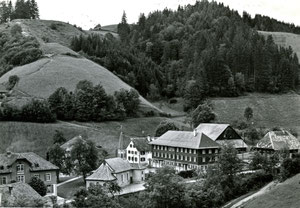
x: 23, y: 137
x: 269, y: 110
x: 283, y: 195
x: 67, y: 190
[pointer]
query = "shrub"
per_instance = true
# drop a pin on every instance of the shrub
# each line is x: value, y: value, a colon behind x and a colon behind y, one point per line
x: 15, y: 30
x: 38, y: 185
x: 53, y: 26
x: 149, y: 114
x: 187, y: 174
x: 173, y: 101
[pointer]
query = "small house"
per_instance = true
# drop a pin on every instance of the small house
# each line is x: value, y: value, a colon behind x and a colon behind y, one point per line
x: 117, y: 170
x: 139, y: 150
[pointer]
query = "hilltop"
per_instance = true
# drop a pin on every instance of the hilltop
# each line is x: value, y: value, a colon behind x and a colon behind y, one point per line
x: 60, y: 66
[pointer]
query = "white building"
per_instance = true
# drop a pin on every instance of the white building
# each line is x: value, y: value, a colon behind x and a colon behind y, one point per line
x: 139, y: 151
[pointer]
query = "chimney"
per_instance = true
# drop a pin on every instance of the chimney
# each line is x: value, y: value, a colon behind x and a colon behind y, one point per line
x: 8, y: 154
x: 195, y: 132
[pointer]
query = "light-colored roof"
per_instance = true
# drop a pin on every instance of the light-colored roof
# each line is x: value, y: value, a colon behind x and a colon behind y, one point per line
x: 213, y: 131
x: 19, y: 190
x: 138, y: 166
x: 118, y: 165
x: 69, y: 144
x: 185, y: 139
x: 103, y: 173
x: 236, y: 143
x: 279, y: 140
x: 3, y: 89
x: 141, y: 144
x: 37, y: 162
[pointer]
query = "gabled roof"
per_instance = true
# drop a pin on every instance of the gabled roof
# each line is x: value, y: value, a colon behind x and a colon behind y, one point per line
x: 103, y: 173
x: 18, y: 190
x: 278, y: 140
x: 118, y: 165
x: 37, y: 162
x: 141, y: 144
x: 213, y: 131
x: 185, y: 139
x: 69, y: 144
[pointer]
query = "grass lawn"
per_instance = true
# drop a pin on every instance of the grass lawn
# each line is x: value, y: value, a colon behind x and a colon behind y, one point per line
x: 68, y: 190
x: 284, y: 195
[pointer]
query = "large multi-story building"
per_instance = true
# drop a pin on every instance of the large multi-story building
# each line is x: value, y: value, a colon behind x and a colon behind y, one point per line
x: 184, y: 150
x: 21, y: 167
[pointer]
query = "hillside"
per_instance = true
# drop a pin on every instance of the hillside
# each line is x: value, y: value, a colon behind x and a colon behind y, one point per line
x: 22, y: 137
x: 285, y: 194
x: 60, y: 66
x: 285, y: 40
x: 269, y: 110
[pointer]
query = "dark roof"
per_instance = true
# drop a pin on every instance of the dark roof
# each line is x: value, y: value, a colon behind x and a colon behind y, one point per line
x: 19, y: 190
x: 118, y: 165
x: 103, y: 173
x: 37, y: 162
x: 141, y: 144
x: 185, y: 139
x: 213, y: 131
x: 278, y: 140
x: 69, y: 144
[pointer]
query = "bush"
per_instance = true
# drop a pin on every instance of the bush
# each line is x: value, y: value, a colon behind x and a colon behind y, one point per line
x: 15, y: 30
x: 53, y: 26
x: 149, y: 114
x: 187, y: 174
x: 173, y: 101
x: 38, y: 185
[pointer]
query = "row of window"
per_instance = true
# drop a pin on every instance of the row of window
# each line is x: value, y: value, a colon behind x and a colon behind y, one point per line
x: 132, y: 152
x: 21, y: 178
x: 183, y: 157
x: 184, y: 150
x: 135, y: 159
x: 190, y: 166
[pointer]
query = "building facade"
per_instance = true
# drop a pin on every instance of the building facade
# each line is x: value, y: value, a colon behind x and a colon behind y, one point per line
x: 184, y: 150
x: 139, y: 151
x: 117, y: 170
x: 21, y: 167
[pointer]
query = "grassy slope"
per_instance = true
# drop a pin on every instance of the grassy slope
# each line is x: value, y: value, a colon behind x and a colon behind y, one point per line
x: 113, y: 28
x: 269, y: 110
x: 22, y: 137
x: 41, y: 78
x: 283, y: 195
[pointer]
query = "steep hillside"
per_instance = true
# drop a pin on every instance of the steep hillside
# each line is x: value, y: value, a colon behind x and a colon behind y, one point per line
x: 285, y: 194
x: 285, y: 40
x: 269, y: 110
x: 60, y: 67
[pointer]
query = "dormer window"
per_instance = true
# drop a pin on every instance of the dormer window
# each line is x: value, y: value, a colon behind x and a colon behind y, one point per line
x: 36, y: 165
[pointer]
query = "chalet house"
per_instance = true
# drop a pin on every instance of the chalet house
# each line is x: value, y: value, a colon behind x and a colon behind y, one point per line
x: 139, y: 151
x: 223, y: 134
x: 277, y: 141
x: 118, y: 170
x: 184, y: 150
x: 21, y: 167
x: 9, y: 193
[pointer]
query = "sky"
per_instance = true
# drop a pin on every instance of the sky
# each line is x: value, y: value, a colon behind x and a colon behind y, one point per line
x: 88, y: 13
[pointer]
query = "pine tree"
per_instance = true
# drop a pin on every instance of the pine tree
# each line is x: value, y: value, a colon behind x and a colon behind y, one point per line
x: 124, y: 29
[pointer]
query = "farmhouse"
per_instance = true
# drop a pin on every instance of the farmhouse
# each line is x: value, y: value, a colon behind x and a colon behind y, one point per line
x: 223, y: 134
x: 118, y: 170
x: 68, y: 146
x: 184, y: 150
x: 21, y: 167
x: 277, y: 141
x: 139, y: 150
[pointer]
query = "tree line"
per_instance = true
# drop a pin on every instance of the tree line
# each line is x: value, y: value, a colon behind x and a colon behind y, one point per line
x: 87, y: 103
x: 21, y: 10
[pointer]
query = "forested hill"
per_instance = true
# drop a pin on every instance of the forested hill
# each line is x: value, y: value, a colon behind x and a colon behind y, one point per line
x: 206, y: 42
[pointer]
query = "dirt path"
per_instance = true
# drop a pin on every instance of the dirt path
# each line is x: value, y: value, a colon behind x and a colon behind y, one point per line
x: 240, y: 203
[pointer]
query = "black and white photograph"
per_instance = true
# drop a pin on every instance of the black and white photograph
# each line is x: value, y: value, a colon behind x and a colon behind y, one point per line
x: 150, y: 103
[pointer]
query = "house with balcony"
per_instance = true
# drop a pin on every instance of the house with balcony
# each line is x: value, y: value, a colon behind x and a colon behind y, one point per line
x: 185, y: 150
x: 21, y: 167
